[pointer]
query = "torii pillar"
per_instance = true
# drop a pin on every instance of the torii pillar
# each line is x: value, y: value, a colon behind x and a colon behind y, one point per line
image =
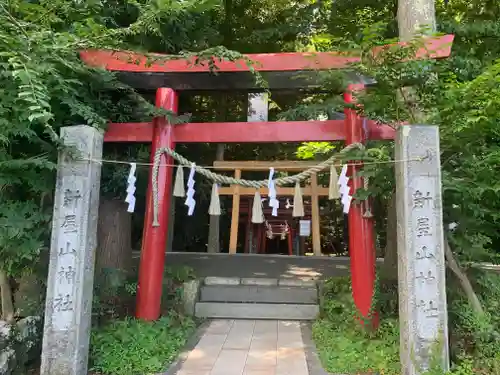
x: 149, y: 290
x: 361, y: 232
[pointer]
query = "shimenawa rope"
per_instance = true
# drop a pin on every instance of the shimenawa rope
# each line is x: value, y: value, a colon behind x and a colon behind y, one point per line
x: 221, y: 179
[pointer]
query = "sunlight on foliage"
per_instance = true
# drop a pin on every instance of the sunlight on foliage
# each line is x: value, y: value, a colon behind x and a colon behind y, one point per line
x: 130, y: 346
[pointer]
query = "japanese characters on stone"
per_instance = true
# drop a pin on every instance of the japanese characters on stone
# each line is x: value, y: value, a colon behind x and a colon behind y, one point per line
x: 67, y: 257
x: 426, y: 267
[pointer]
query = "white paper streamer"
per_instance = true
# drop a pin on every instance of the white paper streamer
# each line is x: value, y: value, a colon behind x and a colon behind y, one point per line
x: 130, y: 199
x: 190, y: 202
x: 345, y: 190
x: 273, y: 202
x: 347, y: 204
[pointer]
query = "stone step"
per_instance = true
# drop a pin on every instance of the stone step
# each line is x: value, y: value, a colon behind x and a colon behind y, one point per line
x: 260, y: 281
x: 257, y: 293
x: 256, y: 311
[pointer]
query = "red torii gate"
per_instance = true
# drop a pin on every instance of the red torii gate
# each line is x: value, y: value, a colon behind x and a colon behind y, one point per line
x: 277, y: 69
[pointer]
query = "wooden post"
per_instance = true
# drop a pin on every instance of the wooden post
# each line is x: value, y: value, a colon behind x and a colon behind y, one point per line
x: 315, y: 215
x: 264, y: 240
x: 258, y: 239
x: 248, y: 229
x: 235, y: 217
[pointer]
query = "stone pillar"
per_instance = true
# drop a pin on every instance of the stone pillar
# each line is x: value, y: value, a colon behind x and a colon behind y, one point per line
x: 421, y: 261
x: 72, y: 254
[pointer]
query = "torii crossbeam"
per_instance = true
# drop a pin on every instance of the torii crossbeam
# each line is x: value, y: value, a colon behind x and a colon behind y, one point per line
x: 278, y: 69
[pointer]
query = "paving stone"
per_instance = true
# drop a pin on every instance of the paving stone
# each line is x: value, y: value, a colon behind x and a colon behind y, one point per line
x: 261, y: 359
x: 200, y: 360
x: 253, y: 371
x: 240, y: 335
x: 248, y: 347
x: 263, y: 344
x: 194, y: 372
x: 288, y: 326
x: 230, y: 362
x: 211, y: 341
x: 220, y: 326
x: 291, y: 362
x: 266, y: 327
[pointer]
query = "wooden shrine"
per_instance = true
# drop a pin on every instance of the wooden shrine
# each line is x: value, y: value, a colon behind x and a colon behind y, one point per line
x: 312, y: 190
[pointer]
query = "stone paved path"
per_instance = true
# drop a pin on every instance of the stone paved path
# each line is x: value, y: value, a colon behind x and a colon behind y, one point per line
x: 248, y: 347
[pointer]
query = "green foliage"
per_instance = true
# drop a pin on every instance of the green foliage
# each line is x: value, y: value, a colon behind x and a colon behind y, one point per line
x: 114, y: 296
x: 115, y: 293
x: 173, y: 287
x: 475, y: 338
x: 44, y: 86
x: 470, y: 151
x: 344, y: 346
x: 463, y: 101
x: 129, y: 347
x: 23, y: 229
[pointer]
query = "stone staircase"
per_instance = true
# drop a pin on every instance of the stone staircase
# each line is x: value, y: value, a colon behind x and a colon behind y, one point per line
x: 257, y: 298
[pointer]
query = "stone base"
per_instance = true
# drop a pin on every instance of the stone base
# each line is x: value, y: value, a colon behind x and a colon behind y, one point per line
x: 190, y: 295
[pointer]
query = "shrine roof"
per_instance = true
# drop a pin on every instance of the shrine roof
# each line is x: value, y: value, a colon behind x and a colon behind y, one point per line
x: 282, y: 71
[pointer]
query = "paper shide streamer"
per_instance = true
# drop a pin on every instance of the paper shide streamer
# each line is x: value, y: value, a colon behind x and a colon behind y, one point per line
x: 274, y: 203
x: 190, y: 202
x: 130, y: 199
x: 345, y: 197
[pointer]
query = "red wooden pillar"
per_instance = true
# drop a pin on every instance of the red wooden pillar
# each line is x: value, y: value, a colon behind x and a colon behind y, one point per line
x: 361, y: 234
x: 149, y: 291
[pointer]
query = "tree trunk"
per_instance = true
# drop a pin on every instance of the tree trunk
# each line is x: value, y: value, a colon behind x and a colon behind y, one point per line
x: 6, y: 297
x: 114, y: 244
x: 413, y: 15
x: 171, y: 224
x: 214, y: 228
x: 463, y: 279
x: 390, y: 266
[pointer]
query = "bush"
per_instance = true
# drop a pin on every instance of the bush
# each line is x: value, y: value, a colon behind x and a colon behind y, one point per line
x: 475, y: 338
x: 346, y: 347
x: 130, y: 347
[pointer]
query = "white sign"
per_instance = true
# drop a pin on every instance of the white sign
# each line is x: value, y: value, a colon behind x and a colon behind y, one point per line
x: 305, y: 228
x: 257, y: 107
